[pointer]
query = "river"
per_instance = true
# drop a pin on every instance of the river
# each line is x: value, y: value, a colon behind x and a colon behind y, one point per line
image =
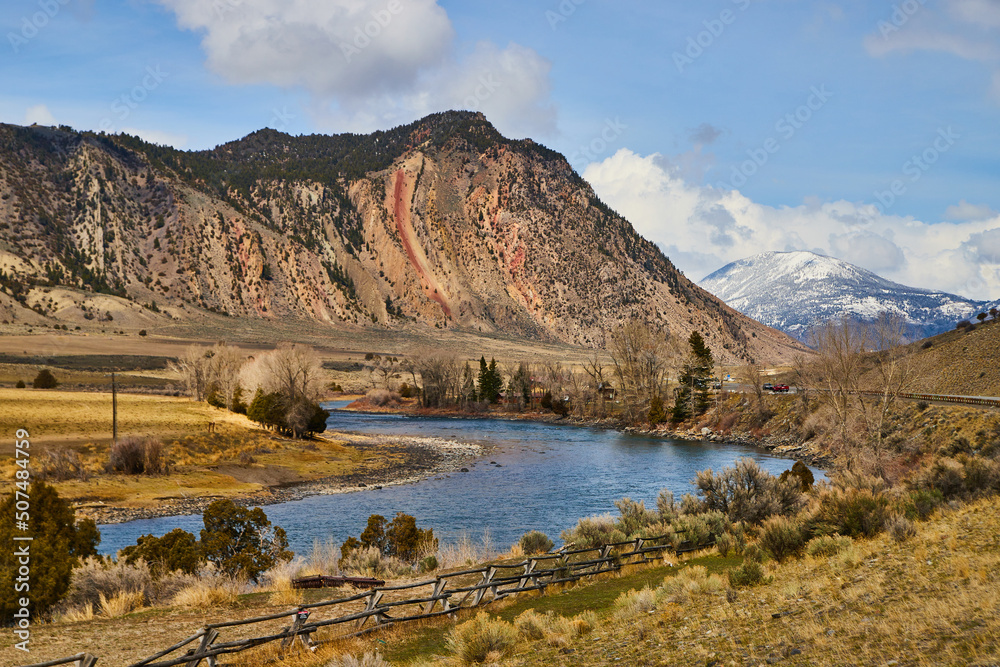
x: 535, y: 477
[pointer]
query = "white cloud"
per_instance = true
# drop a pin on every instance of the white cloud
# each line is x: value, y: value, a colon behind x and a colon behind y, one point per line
x: 158, y: 137
x: 967, y: 29
x: 39, y: 114
x: 703, y: 228
x: 369, y: 64
x: 963, y: 210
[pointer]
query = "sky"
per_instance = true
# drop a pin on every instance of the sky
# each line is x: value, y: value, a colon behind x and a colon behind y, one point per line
x: 867, y: 130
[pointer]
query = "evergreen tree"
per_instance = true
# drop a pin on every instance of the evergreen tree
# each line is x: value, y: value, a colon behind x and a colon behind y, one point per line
x: 692, y: 395
x: 242, y: 541
x: 490, y: 381
x: 57, y: 546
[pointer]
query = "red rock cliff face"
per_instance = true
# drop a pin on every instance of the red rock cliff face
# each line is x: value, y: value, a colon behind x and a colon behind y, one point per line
x: 443, y: 223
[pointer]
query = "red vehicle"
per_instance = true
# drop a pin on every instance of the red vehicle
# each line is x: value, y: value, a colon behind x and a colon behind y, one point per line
x: 780, y: 388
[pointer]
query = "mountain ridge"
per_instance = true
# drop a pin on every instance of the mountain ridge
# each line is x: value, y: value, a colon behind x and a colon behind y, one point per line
x: 817, y: 288
x: 440, y: 223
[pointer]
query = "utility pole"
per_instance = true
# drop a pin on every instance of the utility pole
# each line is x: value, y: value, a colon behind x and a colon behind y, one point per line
x: 114, y: 410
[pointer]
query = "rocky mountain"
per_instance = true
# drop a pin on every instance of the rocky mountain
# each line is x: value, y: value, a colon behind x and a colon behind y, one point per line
x: 793, y: 291
x: 440, y: 223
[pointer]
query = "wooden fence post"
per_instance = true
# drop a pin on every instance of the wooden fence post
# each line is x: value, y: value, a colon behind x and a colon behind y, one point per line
x: 373, y: 601
x: 487, y: 578
x: 438, y: 589
x: 301, y: 616
x: 207, y: 640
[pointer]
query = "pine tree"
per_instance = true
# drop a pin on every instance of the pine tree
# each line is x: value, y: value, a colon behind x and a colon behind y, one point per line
x: 692, y: 395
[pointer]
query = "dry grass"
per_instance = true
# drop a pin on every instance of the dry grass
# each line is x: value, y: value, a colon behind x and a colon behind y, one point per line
x: 207, y: 594
x: 123, y: 603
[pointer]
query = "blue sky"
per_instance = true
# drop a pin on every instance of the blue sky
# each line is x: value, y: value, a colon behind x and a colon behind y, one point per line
x: 720, y: 128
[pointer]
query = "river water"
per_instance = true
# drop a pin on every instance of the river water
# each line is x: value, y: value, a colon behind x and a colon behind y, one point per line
x: 536, y: 477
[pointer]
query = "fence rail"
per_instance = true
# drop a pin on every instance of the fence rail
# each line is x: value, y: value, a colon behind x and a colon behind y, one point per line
x: 495, y: 582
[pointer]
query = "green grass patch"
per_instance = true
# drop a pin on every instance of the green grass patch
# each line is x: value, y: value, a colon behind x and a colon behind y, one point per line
x: 598, y: 597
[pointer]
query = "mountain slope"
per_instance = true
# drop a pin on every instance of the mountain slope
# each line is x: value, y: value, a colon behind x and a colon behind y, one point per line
x: 792, y: 291
x: 441, y: 223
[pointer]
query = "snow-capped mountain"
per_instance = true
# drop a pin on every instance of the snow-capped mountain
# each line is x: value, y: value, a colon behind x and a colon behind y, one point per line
x: 793, y: 291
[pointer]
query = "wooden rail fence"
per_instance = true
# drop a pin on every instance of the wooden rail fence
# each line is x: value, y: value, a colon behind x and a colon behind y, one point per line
x: 446, y: 596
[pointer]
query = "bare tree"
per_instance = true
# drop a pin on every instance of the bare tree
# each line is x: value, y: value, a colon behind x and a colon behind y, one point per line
x: 838, y: 366
x: 439, y: 378
x: 894, y: 372
x: 643, y: 358
x: 294, y: 371
x: 224, y: 372
x: 749, y: 374
x: 193, y: 367
x: 382, y: 370
x: 600, y: 380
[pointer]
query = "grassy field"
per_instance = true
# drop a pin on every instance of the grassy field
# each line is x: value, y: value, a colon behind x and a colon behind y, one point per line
x: 234, y: 458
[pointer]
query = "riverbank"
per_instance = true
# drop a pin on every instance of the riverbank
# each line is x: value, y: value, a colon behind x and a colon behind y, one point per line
x: 382, y: 461
x: 785, y: 445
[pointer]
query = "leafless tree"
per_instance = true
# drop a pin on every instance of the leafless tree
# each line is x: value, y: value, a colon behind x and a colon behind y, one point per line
x: 894, y: 372
x: 224, y: 372
x: 838, y: 367
x: 382, y: 370
x: 749, y: 374
x: 643, y: 359
x: 439, y: 378
x: 600, y: 380
x: 294, y: 371
x: 193, y: 367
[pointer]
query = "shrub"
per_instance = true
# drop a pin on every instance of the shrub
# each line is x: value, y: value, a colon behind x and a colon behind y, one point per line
x: 634, y: 603
x: 383, y: 397
x: 751, y: 573
x: 535, y: 542
x: 142, y: 332
x: 242, y: 541
x: 593, y: 531
x: 428, y: 563
x: 693, y: 580
x: 634, y: 516
x: 827, y: 545
x: 781, y: 537
x: 657, y: 412
x: 852, y: 512
x: 531, y: 624
x: 371, y: 562
x: 666, y: 506
x: 177, y: 550
x: 748, y: 493
x: 20, y: 384
x: 45, y: 380
x: 483, y: 638
x: 700, y: 529
x: 60, y: 465
x: 405, y: 391
x: 900, y: 528
x: 921, y: 503
x: 96, y: 580
x: 133, y: 455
